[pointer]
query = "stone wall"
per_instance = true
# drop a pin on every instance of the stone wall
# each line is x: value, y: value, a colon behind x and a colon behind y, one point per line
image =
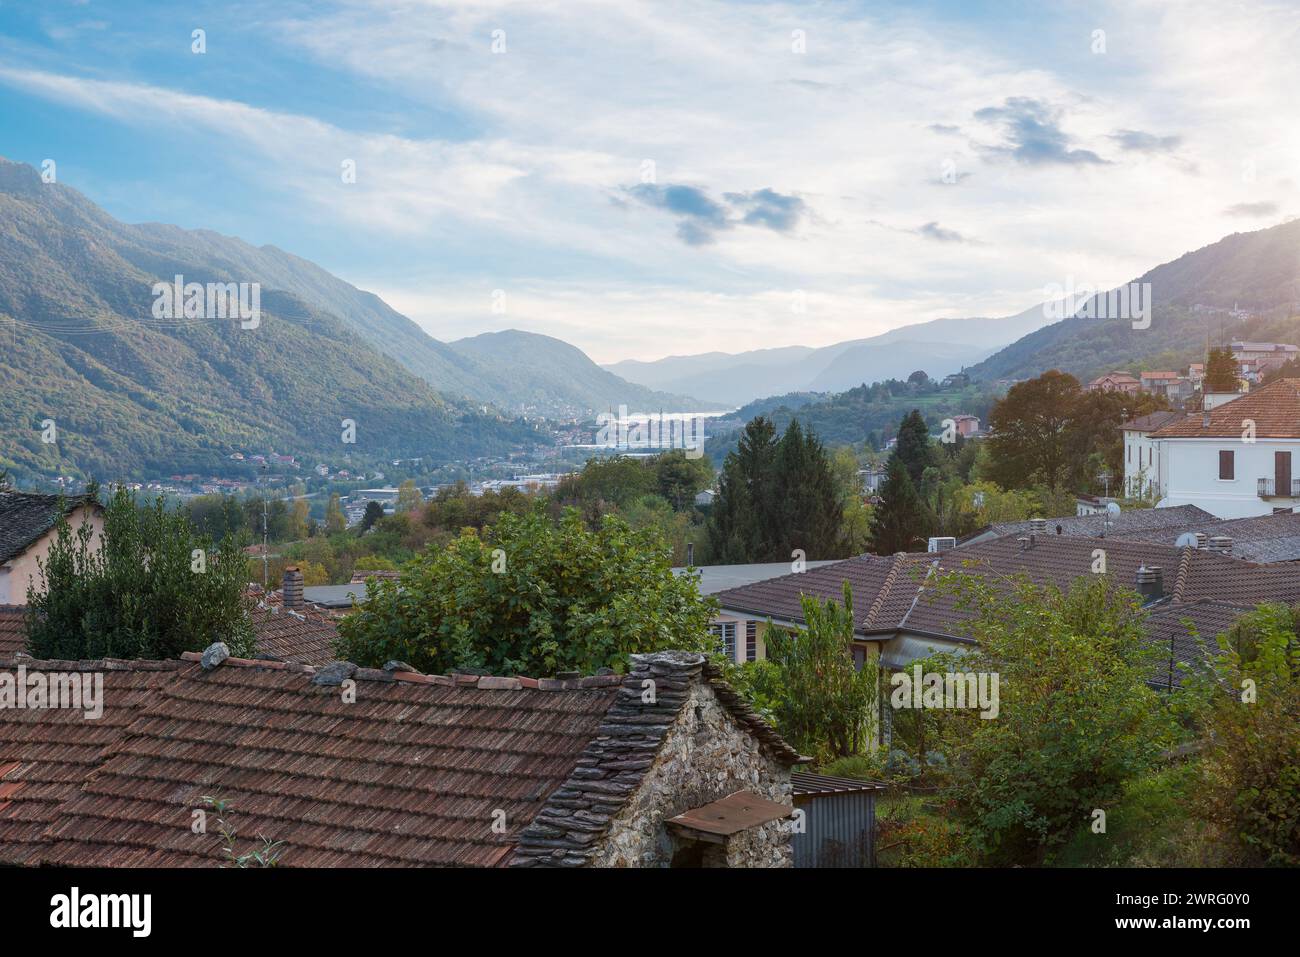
x: 705, y: 756
x: 676, y: 737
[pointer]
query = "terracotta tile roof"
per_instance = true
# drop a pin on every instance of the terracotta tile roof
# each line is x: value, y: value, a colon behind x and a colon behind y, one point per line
x: 46, y: 754
x: 26, y: 516
x: 415, y: 771
x: 902, y: 601
x: 13, y: 632
x: 1275, y: 409
x: 411, y: 773
x: 305, y: 637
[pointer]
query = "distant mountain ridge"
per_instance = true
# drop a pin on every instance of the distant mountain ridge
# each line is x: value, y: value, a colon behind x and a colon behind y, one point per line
x: 1193, y: 299
x: 938, y: 347
x: 92, y: 382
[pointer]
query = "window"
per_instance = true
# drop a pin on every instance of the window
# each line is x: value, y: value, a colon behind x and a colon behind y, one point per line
x: 751, y: 641
x: 1227, y: 467
x: 726, y: 634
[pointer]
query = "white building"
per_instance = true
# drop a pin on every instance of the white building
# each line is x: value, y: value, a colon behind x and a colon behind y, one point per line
x: 1236, y: 460
x: 1143, y: 469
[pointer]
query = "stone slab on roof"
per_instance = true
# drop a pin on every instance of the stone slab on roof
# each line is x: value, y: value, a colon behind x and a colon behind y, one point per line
x: 26, y: 516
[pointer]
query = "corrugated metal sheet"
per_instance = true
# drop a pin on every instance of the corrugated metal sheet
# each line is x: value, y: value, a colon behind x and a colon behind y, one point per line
x: 838, y: 830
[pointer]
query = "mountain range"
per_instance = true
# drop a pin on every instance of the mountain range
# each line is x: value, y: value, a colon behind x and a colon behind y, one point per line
x: 127, y: 393
x: 938, y: 348
x: 1245, y: 286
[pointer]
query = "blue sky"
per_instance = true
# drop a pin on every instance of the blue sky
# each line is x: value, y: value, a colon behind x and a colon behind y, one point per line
x: 644, y: 179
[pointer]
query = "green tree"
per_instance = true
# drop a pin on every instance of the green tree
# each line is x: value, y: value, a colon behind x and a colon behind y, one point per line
x: 827, y: 706
x: 901, y: 521
x: 409, y: 498
x: 679, y: 478
x: 531, y: 597
x: 374, y: 512
x: 914, y: 448
x: 1076, y: 719
x: 1221, y: 372
x: 805, y: 501
x: 741, y: 523
x: 151, y: 588
x: 1031, y: 431
x: 335, y: 520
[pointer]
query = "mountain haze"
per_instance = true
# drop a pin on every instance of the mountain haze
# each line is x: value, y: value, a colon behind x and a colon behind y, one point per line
x: 937, y: 347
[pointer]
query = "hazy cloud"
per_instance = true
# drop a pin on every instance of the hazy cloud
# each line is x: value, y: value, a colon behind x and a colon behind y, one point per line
x: 1033, y: 133
x: 933, y: 230
x: 1142, y: 142
x: 1264, y: 207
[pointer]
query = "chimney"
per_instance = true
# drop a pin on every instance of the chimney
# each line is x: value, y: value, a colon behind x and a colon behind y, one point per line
x: 690, y: 554
x: 1038, y: 526
x: 1205, y: 420
x: 1025, y: 541
x: 1221, y: 545
x: 292, y: 592
x: 1200, y: 539
x: 1150, y: 583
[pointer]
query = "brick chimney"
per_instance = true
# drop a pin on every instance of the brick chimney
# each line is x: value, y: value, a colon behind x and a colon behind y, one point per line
x: 292, y: 593
x: 1220, y: 544
x: 1150, y: 583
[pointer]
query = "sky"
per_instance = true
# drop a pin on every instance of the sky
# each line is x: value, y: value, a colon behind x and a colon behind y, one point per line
x: 645, y: 179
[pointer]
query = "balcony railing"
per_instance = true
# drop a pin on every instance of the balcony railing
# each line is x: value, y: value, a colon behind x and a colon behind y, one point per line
x: 1268, y: 489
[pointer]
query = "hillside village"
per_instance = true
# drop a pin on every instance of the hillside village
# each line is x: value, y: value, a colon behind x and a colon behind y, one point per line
x: 725, y: 763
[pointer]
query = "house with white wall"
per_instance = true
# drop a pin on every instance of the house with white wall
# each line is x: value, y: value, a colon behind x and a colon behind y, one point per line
x: 1143, y: 468
x: 1238, y: 459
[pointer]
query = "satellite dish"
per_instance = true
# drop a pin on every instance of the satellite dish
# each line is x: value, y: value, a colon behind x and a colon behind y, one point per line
x: 1186, y: 540
x: 1113, y: 508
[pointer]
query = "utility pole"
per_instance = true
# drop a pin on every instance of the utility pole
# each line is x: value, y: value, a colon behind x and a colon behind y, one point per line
x: 266, y: 558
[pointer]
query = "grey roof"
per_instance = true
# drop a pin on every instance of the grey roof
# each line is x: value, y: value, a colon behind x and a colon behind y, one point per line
x: 716, y: 578
x: 26, y: 516
x: 1133, y: 520
x: 335, y: 596
x: 1258, y: 538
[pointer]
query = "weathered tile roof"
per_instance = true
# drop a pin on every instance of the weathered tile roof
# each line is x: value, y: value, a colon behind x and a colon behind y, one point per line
x: 46, y: 754
x: 306, y: 637
x: 1274, y: 408
x: 13, y: 630
x: 416, y: 770
x: 1171, y: 625
x: 1112, y: 526
x: 26, y: 516
x: 1258, y: 538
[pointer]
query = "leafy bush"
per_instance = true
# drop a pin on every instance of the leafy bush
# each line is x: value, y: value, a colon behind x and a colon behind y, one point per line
x: 143, y: 592
x: 1251, y: 780
x: 1076, y: 720
x: 531, y: 597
